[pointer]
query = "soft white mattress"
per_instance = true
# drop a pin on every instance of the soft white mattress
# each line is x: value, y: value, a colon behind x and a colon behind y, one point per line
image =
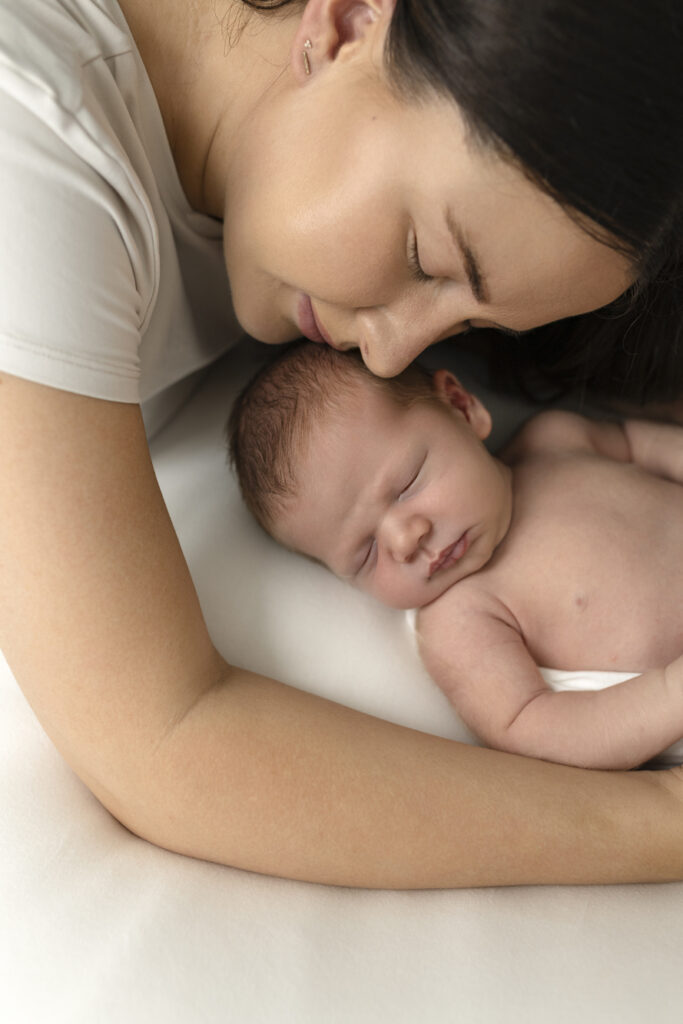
x: 98, y: 926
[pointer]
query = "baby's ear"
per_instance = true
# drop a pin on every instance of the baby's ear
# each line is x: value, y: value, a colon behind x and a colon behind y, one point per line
x: 448, y: 389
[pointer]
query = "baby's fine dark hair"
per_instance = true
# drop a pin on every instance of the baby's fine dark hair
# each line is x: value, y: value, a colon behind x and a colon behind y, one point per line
x: 586, y: 97
x: 273, y: 419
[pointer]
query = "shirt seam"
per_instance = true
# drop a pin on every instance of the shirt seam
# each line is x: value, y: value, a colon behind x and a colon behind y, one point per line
x: 62, y: 356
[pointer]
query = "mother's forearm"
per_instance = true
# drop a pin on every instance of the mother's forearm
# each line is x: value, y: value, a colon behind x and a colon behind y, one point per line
x: 271, y: 779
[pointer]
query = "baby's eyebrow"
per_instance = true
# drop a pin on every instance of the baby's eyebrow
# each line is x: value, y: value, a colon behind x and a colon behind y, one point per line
x: 384, y: 490
x: 357, y: 522
x: 353, y: 537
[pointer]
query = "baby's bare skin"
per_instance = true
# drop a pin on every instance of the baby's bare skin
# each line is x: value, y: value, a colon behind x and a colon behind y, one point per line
x: 591, y: 570
x: 587, y: 576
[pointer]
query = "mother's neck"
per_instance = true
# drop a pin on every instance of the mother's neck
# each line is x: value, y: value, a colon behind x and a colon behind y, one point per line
x: 210, y: 63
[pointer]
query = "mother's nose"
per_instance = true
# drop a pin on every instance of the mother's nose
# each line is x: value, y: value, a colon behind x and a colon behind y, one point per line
x: 392, y: 337
x: 403, y: 534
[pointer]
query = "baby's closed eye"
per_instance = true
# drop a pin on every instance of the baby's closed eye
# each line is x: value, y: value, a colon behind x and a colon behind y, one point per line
x: 410, y: 486
x: 369, y: 557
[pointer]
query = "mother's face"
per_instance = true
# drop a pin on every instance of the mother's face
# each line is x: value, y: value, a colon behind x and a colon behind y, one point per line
x: 358, y: 218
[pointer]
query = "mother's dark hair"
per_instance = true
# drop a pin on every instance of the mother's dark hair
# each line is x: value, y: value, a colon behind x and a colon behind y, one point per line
x: 586, y: 97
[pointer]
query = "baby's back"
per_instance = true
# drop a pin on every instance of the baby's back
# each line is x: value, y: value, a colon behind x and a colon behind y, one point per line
x: 591, y: 568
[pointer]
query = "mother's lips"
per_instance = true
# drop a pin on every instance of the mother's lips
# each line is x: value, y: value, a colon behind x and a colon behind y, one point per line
x: 309, y: 325
x: 450, y: 555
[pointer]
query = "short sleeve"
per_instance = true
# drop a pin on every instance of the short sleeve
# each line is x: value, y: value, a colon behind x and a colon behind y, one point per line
x: 70, y: 304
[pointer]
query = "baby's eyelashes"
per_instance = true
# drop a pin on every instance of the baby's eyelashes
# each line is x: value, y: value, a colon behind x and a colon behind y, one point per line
x: 408, y: 489
x: 369, y: 559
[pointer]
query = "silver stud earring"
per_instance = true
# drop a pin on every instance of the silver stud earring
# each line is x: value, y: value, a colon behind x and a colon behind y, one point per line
x: 308, y: 45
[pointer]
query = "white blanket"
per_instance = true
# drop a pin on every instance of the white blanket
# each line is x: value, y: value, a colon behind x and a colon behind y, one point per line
x: 98, y: 926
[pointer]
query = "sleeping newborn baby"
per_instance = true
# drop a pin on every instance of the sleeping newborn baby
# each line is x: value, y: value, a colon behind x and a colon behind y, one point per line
x: 565, y: 550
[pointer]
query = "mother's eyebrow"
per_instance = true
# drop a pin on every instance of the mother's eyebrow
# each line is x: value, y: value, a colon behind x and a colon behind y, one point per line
x: 475, y: 274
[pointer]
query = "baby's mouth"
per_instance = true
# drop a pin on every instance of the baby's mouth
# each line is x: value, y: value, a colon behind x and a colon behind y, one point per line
x: 450, y: 555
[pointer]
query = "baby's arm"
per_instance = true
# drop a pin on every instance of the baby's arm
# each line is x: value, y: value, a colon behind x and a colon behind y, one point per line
x: 478, y: 657
x: 655, y: 447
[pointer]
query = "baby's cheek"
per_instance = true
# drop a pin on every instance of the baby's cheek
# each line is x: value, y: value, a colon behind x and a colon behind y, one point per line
x: 396, y: 591
x: 379, y: 586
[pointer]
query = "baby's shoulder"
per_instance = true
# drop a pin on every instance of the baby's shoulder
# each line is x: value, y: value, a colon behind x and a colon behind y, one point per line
x: 469, y: 603
x: 553, y: 430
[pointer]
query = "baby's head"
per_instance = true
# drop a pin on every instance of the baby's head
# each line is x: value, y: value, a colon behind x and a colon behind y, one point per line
x: 386, y: 482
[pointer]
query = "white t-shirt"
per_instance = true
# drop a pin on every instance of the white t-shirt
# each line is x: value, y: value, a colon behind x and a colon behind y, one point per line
x: 110, y: 284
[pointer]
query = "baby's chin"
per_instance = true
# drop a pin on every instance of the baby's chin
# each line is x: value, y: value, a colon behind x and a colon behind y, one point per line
x: 417, y: 598
x: 431, y: 590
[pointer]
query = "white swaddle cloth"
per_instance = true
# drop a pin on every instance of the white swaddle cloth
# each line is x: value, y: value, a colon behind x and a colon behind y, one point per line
x: 560, y: 680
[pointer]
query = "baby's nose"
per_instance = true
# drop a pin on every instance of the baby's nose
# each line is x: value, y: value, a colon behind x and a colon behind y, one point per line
x: 406, y: 535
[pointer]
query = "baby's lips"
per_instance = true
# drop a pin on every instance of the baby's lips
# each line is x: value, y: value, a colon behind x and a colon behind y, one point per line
x: 450, y: 555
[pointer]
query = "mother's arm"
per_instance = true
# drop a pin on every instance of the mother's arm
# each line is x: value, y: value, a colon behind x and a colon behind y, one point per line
x: 101, y: 625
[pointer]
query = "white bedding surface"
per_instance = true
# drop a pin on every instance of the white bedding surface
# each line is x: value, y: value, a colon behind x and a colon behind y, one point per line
x: 97, y: 925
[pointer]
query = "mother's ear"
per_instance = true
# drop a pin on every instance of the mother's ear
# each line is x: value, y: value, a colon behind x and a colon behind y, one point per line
x: 330, y: 29
x: 448, y: 388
